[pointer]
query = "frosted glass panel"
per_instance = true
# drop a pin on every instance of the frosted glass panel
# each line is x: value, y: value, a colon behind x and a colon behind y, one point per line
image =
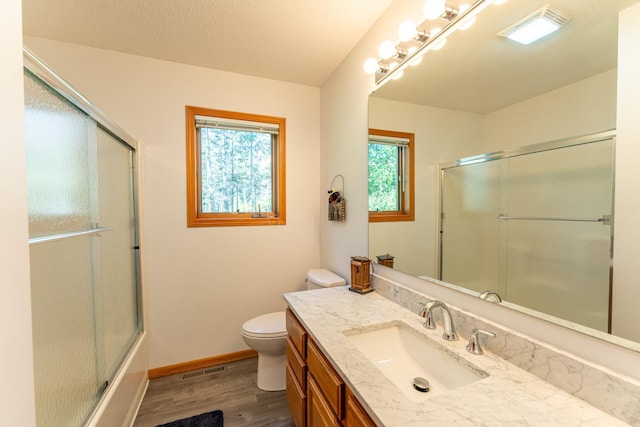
x: 572, y: 182
x: 66, y: 380
x: 119, y: 322
x: 471, y: 202
x: 560, y: 268
x: 60, y: 155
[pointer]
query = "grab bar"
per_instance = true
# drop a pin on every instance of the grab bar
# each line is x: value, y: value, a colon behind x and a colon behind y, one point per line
x: 52, y: 237
x: 605, y: 220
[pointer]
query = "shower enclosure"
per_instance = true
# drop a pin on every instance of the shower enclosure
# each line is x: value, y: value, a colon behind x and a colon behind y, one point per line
x: 535, y: 226
x: 83, y: 237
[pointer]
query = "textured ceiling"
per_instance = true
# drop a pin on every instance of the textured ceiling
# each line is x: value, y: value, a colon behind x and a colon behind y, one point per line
x: 300, y: 41
x: 480, y: 72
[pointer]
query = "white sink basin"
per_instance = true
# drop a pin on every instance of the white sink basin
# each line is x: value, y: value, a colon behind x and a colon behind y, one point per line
x: 403, y: 354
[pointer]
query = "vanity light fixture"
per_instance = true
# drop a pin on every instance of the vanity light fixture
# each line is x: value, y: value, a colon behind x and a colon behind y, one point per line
x: 398, y: 75
x: 441, y: 42
x: 468, y: 23
x: 416, y: 40
x: 539, y: 24
x: 408, y: 30
x: 387, y: 49
x: 416, y: 59
x: 371, y: 66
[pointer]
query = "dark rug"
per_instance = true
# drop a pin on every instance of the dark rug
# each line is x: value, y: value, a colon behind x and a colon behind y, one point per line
x: 208, y: 419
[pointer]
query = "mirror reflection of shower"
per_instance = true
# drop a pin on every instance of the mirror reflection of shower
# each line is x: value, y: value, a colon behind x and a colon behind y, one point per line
x: 534, y: 226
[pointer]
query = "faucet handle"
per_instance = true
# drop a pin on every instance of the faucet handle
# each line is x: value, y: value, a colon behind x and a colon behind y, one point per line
x: 491, y: 296
x: 429, y: 323
x: 474, y: 342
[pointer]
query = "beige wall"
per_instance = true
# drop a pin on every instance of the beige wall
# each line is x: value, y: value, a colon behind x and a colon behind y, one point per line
x: 202, y: 284
x: 17, y: 404
x: 345, y: 137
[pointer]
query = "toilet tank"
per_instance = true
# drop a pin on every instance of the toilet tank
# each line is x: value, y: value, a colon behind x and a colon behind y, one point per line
x: 320, y: 278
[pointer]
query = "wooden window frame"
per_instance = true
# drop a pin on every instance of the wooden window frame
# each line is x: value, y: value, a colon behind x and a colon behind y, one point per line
x: 195, y: 216
x: 406, y: 213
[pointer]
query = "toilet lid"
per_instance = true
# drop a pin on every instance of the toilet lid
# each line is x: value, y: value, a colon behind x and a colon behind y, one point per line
x: 266, y: 326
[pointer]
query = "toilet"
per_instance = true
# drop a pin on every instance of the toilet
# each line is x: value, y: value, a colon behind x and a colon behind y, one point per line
x: 267, y: 334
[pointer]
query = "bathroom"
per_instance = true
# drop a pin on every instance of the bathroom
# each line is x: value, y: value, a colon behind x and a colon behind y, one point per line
x: 194, y: 290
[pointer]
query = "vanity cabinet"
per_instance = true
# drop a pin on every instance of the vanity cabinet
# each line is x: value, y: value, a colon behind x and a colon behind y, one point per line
x: 316, y: 394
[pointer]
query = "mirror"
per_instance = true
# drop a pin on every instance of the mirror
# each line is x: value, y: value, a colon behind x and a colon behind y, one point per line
x: 483, y: 93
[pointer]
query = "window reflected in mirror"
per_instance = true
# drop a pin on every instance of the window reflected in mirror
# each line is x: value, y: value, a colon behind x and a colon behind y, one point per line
x: 391, y: 182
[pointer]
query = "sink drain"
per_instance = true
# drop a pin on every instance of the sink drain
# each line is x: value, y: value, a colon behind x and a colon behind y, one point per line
x: 421, y: 384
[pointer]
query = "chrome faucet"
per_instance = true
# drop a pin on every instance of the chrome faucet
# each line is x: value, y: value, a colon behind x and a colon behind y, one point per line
x: 491, y: 296
x: 474, y: 340
x: 449, y: 333
x: 429, y: 323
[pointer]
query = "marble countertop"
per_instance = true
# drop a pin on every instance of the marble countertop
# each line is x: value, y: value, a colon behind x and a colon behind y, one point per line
x: 509, y: 396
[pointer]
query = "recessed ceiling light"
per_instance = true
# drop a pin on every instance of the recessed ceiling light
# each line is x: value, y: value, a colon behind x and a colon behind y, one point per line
x: 539, y: 24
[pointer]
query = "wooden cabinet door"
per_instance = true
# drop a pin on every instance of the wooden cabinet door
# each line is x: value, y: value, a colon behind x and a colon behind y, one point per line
x: 319, y: 412
x: 297, y: 334
x: 297, y: 364
x: 355, y: 415
x: 326, y: 378
x: 296, y: 399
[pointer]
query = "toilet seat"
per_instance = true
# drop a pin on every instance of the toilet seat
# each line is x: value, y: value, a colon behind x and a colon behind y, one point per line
x: 270, y: 325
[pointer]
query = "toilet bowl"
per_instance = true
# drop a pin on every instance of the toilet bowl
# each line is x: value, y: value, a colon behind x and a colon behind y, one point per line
x: 267, y: 334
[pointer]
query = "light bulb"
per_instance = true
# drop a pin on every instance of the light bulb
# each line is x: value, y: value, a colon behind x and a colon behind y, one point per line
x: 407, y: 30
x: 433, y: 8
x: 439, y: 45
x: 468, y: 22
x: 397, y: 75
x: 387, y: 49
x: 371, y: 65
x: 417, y: 59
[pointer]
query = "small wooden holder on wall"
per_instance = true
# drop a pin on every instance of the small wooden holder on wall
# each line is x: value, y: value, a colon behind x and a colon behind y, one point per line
x: 360, y: 275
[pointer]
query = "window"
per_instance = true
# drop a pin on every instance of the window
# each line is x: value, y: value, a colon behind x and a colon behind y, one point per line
x: 235, y: 168
x: 391, y: 188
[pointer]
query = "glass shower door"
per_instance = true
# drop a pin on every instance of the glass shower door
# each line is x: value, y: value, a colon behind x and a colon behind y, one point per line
x: 471, y: 199
x: 83, y: 255
x: 118, y: 319
x: 558, y: 232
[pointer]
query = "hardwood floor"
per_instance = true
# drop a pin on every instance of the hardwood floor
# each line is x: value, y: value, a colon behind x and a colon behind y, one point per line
x: 231, y: 389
